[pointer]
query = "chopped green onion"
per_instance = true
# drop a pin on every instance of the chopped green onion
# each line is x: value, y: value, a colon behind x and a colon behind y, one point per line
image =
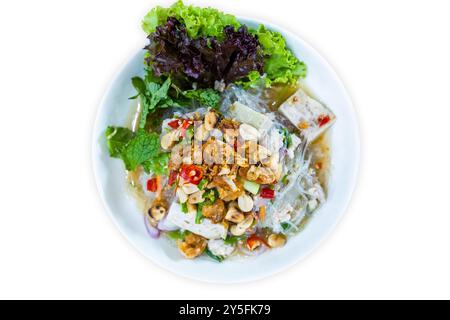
x: 210, y: 196
x: 202, y: 184
x: 213, y: 256
x: 184, y: 208
x: 287, y: 138
x: 285, y: 180
x: 199, y: 216
x: 285, y: 226
x: 251, y: 187
x: 289, y: 141
x: 176, y: 235
x: 189, y: 133
x: 233, y: 240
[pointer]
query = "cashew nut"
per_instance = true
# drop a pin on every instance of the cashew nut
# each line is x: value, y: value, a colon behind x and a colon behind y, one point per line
x: 210, y: 120
x: 276, y: 240
x: 245, y: 203
x: 190, y: 188
x: 196, y: 197
x: 192, y: 246
x: 225, y: 170
x: 169, y: 140
x: 234, y: 215
x: 241, y: 228
x: 201, y: 134
x: 182, y: 196
x: 157, y: 212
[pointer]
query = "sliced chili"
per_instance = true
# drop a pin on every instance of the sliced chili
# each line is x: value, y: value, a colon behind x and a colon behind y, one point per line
x: 255, y: 241
x: 152, y: 185
x: 186, y: 124
x: 323, y: 120
x: 173, y: 177
x: 192, y: 173
x: 267, y: 193
x: 175, y: 124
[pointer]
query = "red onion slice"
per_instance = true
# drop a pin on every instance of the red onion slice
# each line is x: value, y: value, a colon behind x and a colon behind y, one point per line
x: 151, y: 230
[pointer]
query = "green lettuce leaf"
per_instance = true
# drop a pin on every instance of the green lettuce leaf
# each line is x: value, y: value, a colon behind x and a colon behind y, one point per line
x: 199, y: 21
x: 281, y: 66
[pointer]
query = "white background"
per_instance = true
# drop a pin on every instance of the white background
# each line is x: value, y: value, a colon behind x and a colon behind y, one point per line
x: 56, y: 241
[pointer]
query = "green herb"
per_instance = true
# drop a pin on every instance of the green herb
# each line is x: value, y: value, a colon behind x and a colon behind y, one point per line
x: 285, y: 226
x: 213, y: 256
x: 117, y: 139
x: 285, y: 179
x: 210, y: 196
x: 202, y: 184
x: 184, y: 208
x: 189, y: 135
x: 233, y: 240
x: 289, y: 141
x: 153, y: 96
x: 206, y: 97
x: 143, y: 147
x: 287, y: 138
x: 135, y: 149
x: 199, y: 216
x: 177, y: 235
x: 158, y: 164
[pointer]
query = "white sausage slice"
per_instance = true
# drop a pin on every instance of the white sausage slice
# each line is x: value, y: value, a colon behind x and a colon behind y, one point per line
x: 307, y: 114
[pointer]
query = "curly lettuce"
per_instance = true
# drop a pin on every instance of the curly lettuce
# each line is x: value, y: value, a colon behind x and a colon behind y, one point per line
x: 281, y: 66
x: 205, y: 60
x: 199, y: 22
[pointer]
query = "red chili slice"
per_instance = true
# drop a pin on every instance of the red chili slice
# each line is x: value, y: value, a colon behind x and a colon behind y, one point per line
x: 323, y: 120
x: 186, y: 124
x: 191, y: 173
x: 152, y: 185
x: 255, y: 241
x: 175, y: 124
x: 173, y: 177
x: 267, y: 193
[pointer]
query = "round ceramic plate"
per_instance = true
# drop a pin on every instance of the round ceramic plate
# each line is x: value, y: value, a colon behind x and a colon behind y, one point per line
x: 109, y: 173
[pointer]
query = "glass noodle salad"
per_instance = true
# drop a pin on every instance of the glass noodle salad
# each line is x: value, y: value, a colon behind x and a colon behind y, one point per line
x: 227, y: 155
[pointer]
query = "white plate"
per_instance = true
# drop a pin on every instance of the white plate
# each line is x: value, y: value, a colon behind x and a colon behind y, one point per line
x: 109, y: 173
